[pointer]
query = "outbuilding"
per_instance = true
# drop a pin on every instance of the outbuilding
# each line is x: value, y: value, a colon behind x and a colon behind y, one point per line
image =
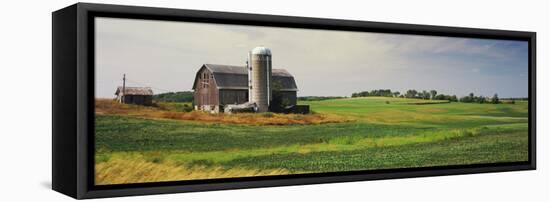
x: 134, y: 95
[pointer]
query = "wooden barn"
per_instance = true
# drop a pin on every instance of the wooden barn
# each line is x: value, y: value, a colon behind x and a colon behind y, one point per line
x: 134, y: 95
x: 218, y: 85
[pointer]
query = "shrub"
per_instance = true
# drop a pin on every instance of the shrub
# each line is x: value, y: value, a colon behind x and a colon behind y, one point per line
x: 187, y: 108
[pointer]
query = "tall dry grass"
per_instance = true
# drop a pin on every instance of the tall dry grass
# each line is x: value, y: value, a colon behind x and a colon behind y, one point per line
x: 121, y: 171
x: 110, y: 107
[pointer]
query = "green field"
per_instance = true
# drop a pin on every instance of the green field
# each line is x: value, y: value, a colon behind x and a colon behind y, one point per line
x: 383, y: 133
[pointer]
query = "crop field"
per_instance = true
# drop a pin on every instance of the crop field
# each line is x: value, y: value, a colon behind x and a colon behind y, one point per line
x: 137, y: 144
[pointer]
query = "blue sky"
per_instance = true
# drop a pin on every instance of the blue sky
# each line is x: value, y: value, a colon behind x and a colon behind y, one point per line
x: 165, y: 55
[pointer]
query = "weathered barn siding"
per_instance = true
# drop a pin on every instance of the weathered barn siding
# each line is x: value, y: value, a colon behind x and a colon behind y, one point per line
x: 206, y: 93
x: 233, y: 96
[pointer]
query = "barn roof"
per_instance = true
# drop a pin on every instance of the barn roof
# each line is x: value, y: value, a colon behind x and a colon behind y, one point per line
x: 236, y: 77
x: 135, y: 90
x: 226, y: 69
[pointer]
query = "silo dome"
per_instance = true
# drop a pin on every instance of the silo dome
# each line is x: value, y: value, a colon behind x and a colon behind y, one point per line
x: 260, y: 50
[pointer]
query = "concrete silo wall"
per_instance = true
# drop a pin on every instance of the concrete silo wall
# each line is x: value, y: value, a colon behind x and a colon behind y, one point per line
x: 261, y: 81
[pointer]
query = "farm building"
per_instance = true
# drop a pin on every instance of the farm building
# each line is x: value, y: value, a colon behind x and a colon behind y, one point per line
x: 219, y: 85
x: 254, y: 87
x: 134, y: 95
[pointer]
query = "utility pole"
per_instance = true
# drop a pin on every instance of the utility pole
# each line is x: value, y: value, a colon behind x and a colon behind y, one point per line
x: 123, y: 87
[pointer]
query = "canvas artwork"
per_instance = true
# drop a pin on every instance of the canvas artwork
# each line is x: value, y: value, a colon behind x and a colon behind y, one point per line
x: 179, y: 101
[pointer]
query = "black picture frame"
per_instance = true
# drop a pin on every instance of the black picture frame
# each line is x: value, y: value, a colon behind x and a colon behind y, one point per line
x: 73, y: 99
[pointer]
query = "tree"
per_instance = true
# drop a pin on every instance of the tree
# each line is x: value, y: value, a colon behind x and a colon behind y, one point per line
x: 495, y: 99
x: 453, y: 98
x: 183, y: 96
x: 481, y: 99
x: 433, y: 93
x: 421, y: 94
x: 396, y: 94
x: 410, y: 93
x: 439, y: 97
x: 469, y: 98
x: 425, y: 95
x: 387, y: 93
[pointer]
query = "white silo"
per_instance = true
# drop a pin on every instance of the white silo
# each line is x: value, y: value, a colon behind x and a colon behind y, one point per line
x: 259, y: 77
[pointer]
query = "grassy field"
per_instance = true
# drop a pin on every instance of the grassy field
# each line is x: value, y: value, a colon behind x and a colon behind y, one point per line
x: 144, y: 144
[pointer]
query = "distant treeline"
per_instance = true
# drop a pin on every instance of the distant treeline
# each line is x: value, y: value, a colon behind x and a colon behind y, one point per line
x: 183, y: 96
x: 471, y: 98
x: 319, y: 98
x: 429, y: 95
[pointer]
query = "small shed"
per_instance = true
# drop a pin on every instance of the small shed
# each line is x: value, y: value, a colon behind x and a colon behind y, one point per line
x: 134, y: 95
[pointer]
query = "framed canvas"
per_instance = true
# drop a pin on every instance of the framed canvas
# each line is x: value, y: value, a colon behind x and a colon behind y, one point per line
x: 157, y: 100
